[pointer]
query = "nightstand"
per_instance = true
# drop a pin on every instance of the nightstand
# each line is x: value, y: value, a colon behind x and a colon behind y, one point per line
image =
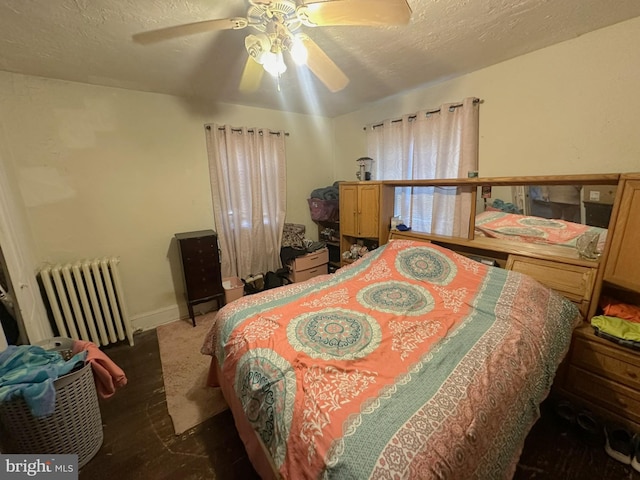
x: 603, y: 376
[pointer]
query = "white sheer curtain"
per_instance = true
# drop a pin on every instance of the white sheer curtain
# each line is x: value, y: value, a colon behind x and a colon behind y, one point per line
x: 247, y: 167
x: 428, y: 145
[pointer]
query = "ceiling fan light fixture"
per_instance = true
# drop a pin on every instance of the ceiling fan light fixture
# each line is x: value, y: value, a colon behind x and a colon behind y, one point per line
x: 274, y: 63
x: 258, y: 46
x: 278, y: 23
x: 298, y: 51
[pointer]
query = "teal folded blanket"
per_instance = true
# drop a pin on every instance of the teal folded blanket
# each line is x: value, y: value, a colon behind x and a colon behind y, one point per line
x: 29, y: 371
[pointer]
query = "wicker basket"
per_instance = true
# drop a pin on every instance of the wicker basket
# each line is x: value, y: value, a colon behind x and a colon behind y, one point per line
x: 74, y: 427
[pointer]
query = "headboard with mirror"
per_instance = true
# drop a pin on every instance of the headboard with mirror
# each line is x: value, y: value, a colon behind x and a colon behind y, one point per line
x: 547, y: 214
x: 525, y: 230
x: 596, y: 370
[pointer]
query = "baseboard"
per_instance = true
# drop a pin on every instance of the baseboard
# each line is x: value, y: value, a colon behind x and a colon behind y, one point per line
x: 155, y: 318
x: 150, y: 320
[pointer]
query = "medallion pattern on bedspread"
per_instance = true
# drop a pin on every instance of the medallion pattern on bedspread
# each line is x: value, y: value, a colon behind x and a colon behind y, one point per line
x: 426, y: 264
x: 524, y: 231
x: 531, y: 229
x: 334, y: 333
x: 541, y: 222
x: 266, y: 385
x: 396, y: 297
x: 380, y: 365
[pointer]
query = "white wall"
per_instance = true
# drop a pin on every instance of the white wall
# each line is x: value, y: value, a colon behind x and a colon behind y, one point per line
x: 567, y: 109
x: 106, y: 171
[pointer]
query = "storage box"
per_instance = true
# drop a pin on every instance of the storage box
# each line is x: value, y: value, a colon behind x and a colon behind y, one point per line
x: 233, y: 288
x: 600, y: 193
x: 324, y: 210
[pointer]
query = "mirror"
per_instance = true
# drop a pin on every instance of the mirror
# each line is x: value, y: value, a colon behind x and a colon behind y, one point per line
x: 549, y: 214
x: 588, y: 204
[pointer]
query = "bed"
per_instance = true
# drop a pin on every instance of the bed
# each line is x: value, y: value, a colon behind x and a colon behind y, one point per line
x: 530, y: 229
x: 413, y: 362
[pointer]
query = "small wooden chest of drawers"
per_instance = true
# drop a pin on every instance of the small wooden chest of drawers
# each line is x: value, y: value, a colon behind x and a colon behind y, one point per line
x: 201, y: 268
x: 310, y: 265
x: 604, y: 374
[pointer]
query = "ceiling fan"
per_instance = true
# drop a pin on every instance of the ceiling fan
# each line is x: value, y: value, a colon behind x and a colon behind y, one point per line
x: 278, y: 30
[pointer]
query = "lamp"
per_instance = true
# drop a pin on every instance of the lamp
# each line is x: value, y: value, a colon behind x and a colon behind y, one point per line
x: 298, y: 51
x: 274, y: 63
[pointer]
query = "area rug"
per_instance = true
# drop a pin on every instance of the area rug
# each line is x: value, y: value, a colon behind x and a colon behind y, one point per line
x: 189, y: 400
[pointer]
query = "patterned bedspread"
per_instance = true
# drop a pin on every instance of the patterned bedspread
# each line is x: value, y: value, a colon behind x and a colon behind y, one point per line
x: 530, y: 229
x: 413, y: 362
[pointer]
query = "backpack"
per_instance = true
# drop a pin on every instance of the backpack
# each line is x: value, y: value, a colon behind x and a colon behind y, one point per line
x: 276, y: 279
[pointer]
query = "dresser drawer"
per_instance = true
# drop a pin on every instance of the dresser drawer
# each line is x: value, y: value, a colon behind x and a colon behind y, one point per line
x: 203, y: 282
x: 609, y: 362
x: 311, y: 260
x: 302, y: 275
x: 611, y: 395
x: 573, y: 281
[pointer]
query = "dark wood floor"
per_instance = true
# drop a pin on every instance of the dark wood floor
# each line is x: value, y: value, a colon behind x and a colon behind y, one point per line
x: 139, y: 441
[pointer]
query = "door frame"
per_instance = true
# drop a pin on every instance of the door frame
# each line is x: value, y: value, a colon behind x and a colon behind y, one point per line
x: 17, y: 248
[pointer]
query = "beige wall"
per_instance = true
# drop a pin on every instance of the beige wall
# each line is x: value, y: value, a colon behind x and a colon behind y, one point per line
x: 105, y: 171
x: 570, y: 108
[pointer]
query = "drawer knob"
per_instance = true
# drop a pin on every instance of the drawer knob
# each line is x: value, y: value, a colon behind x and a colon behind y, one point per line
x: 631, y: 374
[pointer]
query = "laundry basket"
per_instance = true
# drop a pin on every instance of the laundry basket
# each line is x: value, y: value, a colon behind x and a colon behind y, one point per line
x: 75, y: 427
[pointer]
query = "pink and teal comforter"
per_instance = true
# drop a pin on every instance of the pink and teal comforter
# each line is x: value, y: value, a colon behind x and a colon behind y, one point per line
x: 529, y: 229
x: 414, y: 362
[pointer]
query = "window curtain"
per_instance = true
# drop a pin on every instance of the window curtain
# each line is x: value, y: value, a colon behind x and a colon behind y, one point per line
x: 247, y: 167
x: 391, y: 146
x: 430, y: 144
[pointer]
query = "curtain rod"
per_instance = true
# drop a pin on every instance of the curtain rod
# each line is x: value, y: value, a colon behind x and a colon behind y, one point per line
x: 428, y: 112
x: 251, y: 130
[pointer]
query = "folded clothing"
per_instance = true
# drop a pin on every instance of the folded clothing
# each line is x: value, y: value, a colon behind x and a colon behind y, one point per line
x: 29, y: 371
x: 615, y: 308
x: 620, y: 341
x: 617, y: 327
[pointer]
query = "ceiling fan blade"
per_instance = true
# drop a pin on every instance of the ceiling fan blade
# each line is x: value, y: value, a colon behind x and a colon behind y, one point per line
x: 355, y: 12
x: 168, y: 33
x: 323, y: 67
x: 251, y: 76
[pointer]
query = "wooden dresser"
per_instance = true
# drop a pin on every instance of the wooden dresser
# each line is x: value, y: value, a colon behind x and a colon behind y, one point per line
x: 598, y: 373
x: 603, y: 377
x: 366, y: 209
x: 310, y: 265
x: 200, y: 259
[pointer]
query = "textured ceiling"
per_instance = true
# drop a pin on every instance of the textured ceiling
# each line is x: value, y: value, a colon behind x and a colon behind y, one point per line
x: 90, y: 41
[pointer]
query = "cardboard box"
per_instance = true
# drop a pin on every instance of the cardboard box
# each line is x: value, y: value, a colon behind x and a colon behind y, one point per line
x: 605, y: 194
x: 233, y: 288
